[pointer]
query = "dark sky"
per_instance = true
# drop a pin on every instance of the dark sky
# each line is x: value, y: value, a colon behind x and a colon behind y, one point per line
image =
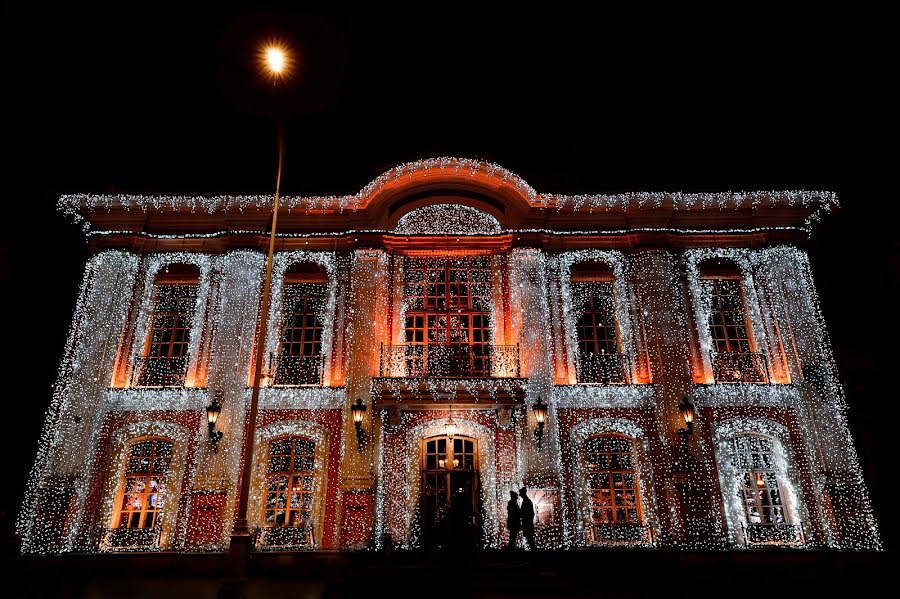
x: 162, y: 102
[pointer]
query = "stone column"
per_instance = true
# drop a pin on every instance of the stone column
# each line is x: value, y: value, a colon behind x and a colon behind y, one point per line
x: 64, y: 474
x: 689, y: 485
x: 841, y: 499
x: 367, y: 326
x: 531, y: 329
x: 237, y: 276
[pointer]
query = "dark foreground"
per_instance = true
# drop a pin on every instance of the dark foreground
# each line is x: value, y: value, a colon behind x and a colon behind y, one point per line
x: 577, y: 573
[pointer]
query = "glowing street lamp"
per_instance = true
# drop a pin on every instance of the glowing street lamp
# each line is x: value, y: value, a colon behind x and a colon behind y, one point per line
x: 277, y: 61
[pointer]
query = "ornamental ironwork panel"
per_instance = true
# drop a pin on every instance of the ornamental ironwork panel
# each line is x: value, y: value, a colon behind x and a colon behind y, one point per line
x: 130, y: 539
x: 159, y: 371
x: 773, y: 534
x: 291, y: 371
x: 740, y: 367
x: 273, y: 538
x: 604, y: 369
x: 621, y: 534
x: 450, y: 361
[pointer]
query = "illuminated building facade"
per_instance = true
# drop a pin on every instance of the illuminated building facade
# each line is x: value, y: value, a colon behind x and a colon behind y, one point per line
x: 675, y: 339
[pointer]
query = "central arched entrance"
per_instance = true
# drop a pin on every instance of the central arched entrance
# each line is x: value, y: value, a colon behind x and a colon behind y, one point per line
x: 450, y: 505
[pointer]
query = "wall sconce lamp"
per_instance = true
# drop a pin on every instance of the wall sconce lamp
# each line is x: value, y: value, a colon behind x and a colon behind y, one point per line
x: 689, y: 413
x: 539, y: 409
x: 212, y: 416
x: 359, y: 410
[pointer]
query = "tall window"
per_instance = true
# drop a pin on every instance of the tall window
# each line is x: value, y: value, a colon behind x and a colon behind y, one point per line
x: 289, y: 486
x: 753, y: 459
x: 144, y: 483
x: 299, y: 361
x: 164, y: 360
x: 733, y: 358
x: 599, y: 358
x: 727, y: 324
x: 448, y: 328
x: 613, y: 482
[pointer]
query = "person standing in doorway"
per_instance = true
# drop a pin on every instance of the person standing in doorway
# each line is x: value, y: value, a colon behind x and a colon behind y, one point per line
x: 527, y: 518
x: 513, y: 519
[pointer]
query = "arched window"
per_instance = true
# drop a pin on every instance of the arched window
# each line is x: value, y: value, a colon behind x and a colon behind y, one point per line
x: 614, y: 487
x: 734, y: 356
x: 142, y: 489
x: 164, y: 360
x: 761, y: 477
x: 290, y: 488
x: 600, y: 358
x: 299, y: 359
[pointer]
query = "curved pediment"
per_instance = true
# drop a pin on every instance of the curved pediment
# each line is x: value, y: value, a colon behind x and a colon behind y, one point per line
x: 447, y: 219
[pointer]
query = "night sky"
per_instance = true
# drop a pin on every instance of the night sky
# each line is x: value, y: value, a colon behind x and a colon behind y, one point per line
x: 166, y: 102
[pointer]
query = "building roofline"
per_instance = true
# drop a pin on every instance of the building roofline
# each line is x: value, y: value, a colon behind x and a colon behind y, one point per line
x: 458, y: 172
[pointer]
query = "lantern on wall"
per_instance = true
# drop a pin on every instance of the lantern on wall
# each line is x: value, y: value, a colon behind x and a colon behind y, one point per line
x: 539, y: 409
x: 213, y: 411
x: 688, y: 413
x: 358, y: 410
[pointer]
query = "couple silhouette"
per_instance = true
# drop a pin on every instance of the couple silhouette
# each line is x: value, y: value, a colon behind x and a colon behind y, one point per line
x: 520, y: 518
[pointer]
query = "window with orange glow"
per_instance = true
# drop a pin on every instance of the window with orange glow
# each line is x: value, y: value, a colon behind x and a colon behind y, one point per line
x: 164, y: 360
x: 449, y: 304
x: 143, y: 483
x: 612, y: 479
x: 289, y: 483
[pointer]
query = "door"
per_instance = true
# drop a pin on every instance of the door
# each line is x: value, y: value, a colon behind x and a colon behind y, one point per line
x: 450, y: 506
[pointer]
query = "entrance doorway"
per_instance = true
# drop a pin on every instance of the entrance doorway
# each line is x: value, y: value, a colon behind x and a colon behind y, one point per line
x: 450, y: 493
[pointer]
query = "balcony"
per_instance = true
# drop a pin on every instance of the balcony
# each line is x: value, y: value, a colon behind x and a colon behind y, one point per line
x: 294, y: 371
x: 603, y: 369
x: 756, y: 535
x: 130, y: 539
x: 621, y: 534
x: 158, y: 371
x: 450, y: 361
x: 277, y: 538
x: 735, y: 367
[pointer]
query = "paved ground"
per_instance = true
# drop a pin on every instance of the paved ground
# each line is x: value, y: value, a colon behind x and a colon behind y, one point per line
x: 489, y: 574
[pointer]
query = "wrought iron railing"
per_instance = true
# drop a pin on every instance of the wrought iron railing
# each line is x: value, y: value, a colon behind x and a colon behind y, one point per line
x: 606, y: 369
x: 273, y: 538
x: 740, y: 367
x: 773, y: 534
x: 450, y: 361
x: 621, y: 534
x: 130, y: 539
x: 290, y: 371
x: 158, y: 371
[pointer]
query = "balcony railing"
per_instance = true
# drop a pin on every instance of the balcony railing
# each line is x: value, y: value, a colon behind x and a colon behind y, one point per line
x: 605, y: 369
x: 450, y: 361
x: 158, y: 371
x: 293, y: 371
x: 736, y: 367
x: 773, y: 534
x: 273, y: 538
x: 130, y: 539
x: 621, y: 534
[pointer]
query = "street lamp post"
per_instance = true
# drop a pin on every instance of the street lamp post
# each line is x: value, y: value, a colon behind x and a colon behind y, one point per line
x: 276, y: 61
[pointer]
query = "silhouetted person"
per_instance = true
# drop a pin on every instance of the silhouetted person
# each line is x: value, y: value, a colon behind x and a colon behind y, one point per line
x: 527, y: 519
x: 513, y: 519
x: 461, y: 522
